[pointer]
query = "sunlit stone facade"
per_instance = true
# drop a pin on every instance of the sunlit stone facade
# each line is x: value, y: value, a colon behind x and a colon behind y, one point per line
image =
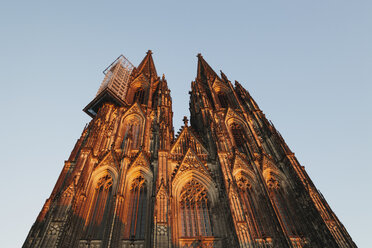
x: 227, y: 179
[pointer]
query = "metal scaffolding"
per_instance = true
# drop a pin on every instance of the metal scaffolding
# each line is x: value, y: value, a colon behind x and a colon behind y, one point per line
x: 117, y: 77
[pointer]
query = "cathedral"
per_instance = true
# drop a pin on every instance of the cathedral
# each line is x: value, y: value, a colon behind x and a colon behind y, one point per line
x: 226, y: 179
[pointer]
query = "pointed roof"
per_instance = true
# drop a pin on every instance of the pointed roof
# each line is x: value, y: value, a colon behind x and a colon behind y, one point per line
x: 107, y: 158
x: 162, y: 188
x: 141, y: 159
x: 204, y: 69
x: 147, y: 66
x: 188, y: 139
x: 240, y: 163
x: 191, y: 162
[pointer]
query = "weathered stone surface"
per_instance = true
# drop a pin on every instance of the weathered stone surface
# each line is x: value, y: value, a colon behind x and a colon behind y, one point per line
x: 228, y: 179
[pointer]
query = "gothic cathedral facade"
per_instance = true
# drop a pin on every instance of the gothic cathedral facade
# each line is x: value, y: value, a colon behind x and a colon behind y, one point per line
x: 227, y: 179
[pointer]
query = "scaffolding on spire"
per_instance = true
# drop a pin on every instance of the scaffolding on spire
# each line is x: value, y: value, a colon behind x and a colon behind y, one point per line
x: 117, y: 77
x: 114, y: 86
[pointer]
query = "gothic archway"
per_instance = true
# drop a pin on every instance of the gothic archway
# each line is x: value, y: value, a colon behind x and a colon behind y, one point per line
x: 98, y: 205
x: 139, y: 96
x: 137, y: 209
x: 281, y: 197
x: 130, y: 131
x: 241, y: 136
x: 194, y: 211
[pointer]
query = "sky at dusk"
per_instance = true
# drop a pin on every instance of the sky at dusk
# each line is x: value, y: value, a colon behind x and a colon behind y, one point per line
x: 308, y: 65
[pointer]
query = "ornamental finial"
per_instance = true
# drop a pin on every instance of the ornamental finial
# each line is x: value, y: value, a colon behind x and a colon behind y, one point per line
x: 185, y: 120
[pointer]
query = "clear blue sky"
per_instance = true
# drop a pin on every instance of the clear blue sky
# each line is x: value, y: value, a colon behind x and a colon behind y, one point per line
x: 306, y: 63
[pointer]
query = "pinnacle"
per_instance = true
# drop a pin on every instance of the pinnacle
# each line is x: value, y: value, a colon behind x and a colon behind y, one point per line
x: 147, y: 66
x: 204, y: 69
x: 185, y: 120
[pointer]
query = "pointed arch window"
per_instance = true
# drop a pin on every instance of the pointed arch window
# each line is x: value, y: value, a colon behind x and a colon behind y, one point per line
x: 134, y: 131
x: 130, y: 133
x: 244, y: 140
x: 247, y: 195
x: 139, y: 96
x: 281, y: 206
x: 239, y: 136
x: 195, y: 211
x: 100, y: 206
x: 137, y: 209
x: 222, y: 97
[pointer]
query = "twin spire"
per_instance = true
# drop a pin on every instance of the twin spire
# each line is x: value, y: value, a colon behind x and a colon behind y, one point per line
x: 147, y: 67
x: 115, y: 85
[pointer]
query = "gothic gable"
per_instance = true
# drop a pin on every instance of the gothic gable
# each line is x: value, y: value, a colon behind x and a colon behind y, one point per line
x: 69, y: 191
x: 107, y: 159
x: 268, y: 163
x: 140, y: 81
x: 162, y: 189
x: 218, y: 85
x: 240, y: 164
x: 135, y: 109
x: 231, y: 115
x: 191, y: 162
x: 187, y: 139
x: 140, y: 166
x: 141, y: 160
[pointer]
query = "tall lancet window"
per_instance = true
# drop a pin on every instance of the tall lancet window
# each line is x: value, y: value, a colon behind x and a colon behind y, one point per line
x: 250, y: 208
x: 240, y: 137
x: 129, y: 135
x: 134, y: 131
x: 137, y: 209
x: 244, y: 139
x: 100, y: 206
x: 222, y: 97
x: 282, y: 208
x: 139, y: 96
x: 195, y: 211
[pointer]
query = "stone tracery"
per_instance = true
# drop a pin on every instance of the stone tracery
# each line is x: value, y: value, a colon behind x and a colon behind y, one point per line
x: 195, y: 211
x: 227, y: 180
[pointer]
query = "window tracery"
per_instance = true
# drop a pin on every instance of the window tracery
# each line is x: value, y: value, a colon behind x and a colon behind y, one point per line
x: 137, y: 209
x: 139, y: 95
x: 280, y: 203
x: 134, y: 132
x: 195, y: 211
x: 240, y: 138
x: 100, y: 205
x: 131, y: 129
x: 252, y: 213
x: 222, y: 97
x: 102, y: 190
x: 244, y: 141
